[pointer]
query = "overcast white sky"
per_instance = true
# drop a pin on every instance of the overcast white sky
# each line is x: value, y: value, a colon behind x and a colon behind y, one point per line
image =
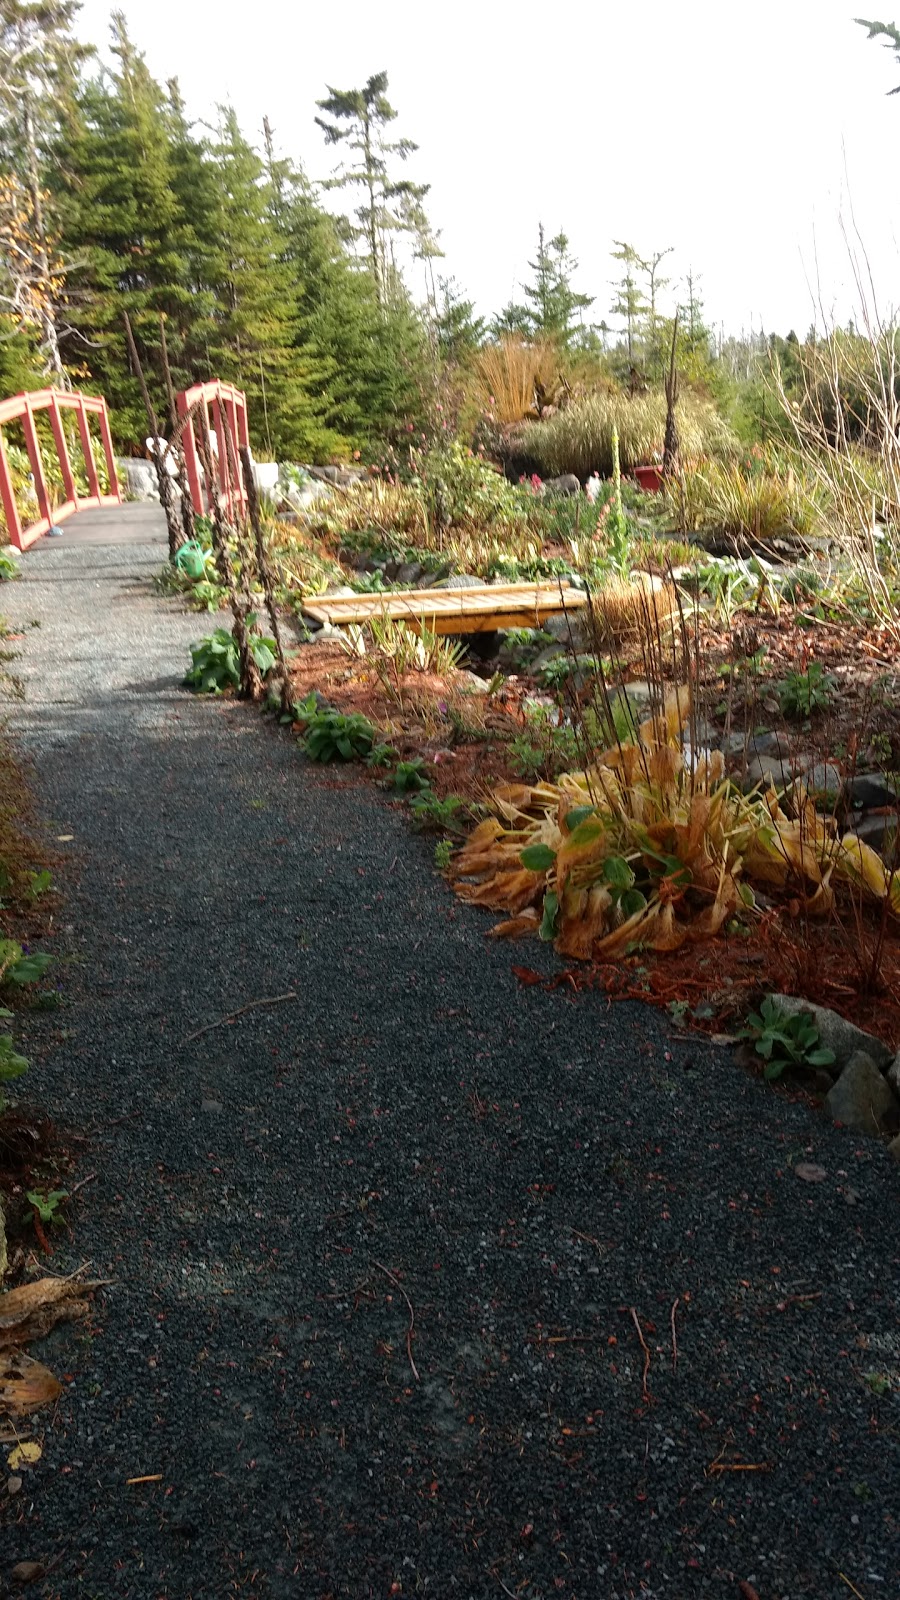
x: 730, y: 131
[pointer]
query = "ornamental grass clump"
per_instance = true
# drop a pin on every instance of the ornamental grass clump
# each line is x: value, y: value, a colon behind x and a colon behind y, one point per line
x: 579, y: 438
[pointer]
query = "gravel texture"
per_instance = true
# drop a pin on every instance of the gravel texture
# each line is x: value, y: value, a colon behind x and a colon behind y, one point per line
x: 376, y: 1250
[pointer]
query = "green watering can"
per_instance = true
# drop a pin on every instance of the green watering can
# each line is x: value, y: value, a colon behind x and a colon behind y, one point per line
x: 191, y: 558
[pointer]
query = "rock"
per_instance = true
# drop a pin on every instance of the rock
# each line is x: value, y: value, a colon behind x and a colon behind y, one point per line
x: 767, y: 770
x: 824, y: 779
x: 567, y: 484
x: 552, y: 653
x: 460, y: 580
x: 867, y: 790
x: 880, y: 833
x: 470, y: 682
x: 409, y: 574
x: 338, y: 591
x: 319, y: 632
x: 892, y: 1073
x: 835, y: 1033
x: 212, y: 1108
x: 139, y: 478
x: 862, y: 1098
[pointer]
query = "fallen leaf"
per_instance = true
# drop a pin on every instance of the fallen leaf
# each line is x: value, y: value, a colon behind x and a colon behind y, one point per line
x: 28, y: 1571
x: 810, y: 1172
x: 29, y: 1312
x: 13, y: 1485
x: 25, y: 1385
x: 24, y: 1455
x: 64, y: 838
x: 748, y: 1592
x: 527, y: 975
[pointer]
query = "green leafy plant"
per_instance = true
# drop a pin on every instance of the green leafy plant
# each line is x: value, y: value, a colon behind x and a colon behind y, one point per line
x: 12, y: 1065
x: 18, y: 968
x: 338, y: 736
x: 802, y: 694
x: 381, y: 755
x: 784, y: 1040
x: 206, y: 595
x: 409, y: 777
x: 216, y: 661
x: 430, y: 813
x: 443, y: 854
x: 47, y: 1203
x: 9, y: 567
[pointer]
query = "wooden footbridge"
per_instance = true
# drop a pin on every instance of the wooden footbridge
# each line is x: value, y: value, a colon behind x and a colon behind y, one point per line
x: 482, y: 609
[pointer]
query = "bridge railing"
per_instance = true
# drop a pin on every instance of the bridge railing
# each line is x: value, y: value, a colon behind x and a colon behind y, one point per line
x: 226, y: 417
x: 25, y: 408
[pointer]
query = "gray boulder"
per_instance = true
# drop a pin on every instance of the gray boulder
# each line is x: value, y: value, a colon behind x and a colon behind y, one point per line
x: 139, y: 478
x: 567, y: 484
x: 867, y: 790
x: 460, y: 580
x: 862, y: 1098
x: 835, y: 1033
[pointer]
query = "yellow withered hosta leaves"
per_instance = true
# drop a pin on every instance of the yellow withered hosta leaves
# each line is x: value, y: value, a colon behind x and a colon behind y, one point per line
x: 504, y: 891
x: 25, y: 1385
x: 688, y: 834
x: 587, y: 845
x: 526, y: 922
x: 24, y: 1455
x: 583, y: 918
x: 31, y: 1310
x: 858, y: 862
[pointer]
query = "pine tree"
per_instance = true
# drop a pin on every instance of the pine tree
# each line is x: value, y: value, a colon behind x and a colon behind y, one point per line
x: 371, y: 353
x: 459, y: 331
x: 254, y: 339
x: 390, y: 205
x: 889, y: 34
x: 127, y: 228
x: 553, y: 301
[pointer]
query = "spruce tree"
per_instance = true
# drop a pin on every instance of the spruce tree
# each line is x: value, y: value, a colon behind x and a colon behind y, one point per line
x: 127, y: 229
x: 255, y: 342
x: 553, y: 303
x: 359, y: 119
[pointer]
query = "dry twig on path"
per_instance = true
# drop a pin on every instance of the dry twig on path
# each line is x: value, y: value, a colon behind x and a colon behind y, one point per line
x: 252, y: 1005
x: 645, y: 1392
x: 412, y: 1316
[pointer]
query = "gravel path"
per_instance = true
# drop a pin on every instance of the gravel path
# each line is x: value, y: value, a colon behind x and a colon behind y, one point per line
x: 382, y: 1255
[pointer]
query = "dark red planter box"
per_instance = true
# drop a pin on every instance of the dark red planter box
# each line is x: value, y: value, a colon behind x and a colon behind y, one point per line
x: 649, y: 478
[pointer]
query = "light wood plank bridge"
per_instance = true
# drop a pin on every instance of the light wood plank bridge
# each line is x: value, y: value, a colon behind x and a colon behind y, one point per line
x: 484, y: 609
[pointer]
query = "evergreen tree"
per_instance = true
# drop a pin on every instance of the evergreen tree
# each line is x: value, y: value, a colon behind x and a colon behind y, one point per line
x: 889, y: 34
x: 629, y: 303
x: 459, y: 331
x: 553, y: 303
x: 135, y: 242
x: 389, y: 206
x: 254, y: 341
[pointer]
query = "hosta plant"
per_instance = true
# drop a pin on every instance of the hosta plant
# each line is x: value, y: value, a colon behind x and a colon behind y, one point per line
x: 216, y: 664
x: 784, y: 1040
x: 338, y: 736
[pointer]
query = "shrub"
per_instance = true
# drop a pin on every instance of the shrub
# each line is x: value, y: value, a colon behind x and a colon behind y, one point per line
x: 215, y: 661
x: 579, y: 438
